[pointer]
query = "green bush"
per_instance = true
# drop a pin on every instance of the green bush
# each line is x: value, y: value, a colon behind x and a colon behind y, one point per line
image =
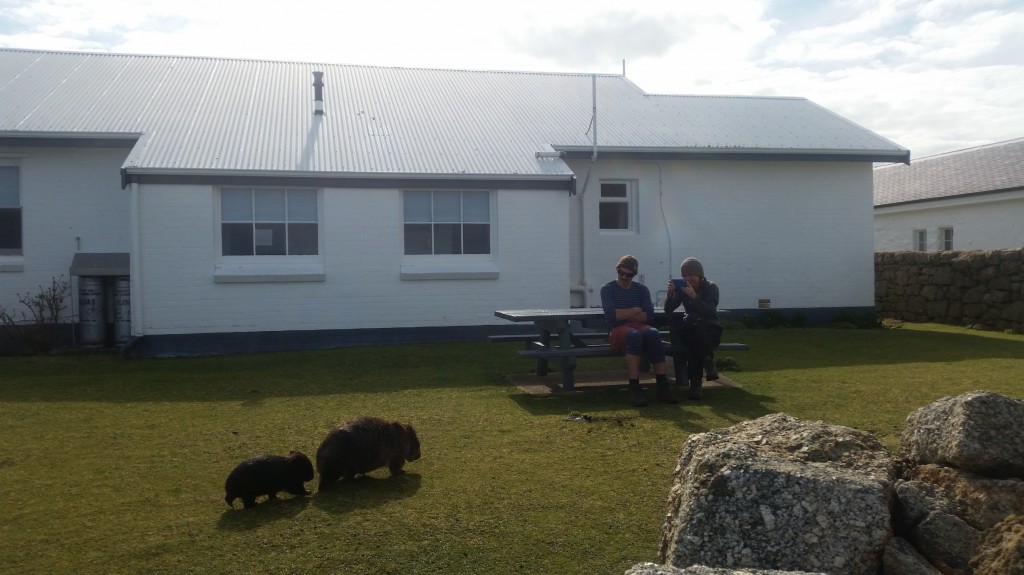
x: 38, y: 331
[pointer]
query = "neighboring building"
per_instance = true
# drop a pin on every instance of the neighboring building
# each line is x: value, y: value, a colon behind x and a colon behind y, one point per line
x: 969, y: 199
x: 262, y: 204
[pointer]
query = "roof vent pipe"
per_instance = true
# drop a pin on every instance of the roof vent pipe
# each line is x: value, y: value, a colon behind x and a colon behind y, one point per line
x: 318, y: 93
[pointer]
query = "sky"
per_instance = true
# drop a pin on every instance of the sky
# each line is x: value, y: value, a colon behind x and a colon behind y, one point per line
x: 933, y: 76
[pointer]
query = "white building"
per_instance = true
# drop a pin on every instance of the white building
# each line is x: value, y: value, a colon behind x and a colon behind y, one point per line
x: 261, y: 204
x: 969, y: 199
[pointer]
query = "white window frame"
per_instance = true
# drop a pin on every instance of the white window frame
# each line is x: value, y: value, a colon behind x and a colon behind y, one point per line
x: 20, y: 251
x: 946, y: 238
x: 451, y: 266
x: 268, y: 268
x: 630, y: 201
x: 920, y: 240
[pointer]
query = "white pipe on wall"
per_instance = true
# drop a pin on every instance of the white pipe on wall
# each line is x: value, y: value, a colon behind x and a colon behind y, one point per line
x: 135, y: 260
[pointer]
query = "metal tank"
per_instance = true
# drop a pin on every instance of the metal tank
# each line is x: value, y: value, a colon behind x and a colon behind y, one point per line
x: 92, y: 317
x: 122, y: 310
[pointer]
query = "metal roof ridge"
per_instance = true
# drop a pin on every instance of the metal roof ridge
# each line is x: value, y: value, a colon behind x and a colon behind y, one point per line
x: 726, y: 96
x: 943, y: 155
x: 305, y: 62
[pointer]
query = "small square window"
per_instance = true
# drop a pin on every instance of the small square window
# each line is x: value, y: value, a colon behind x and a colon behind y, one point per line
x: 615, y: 207
x: 947, y: 238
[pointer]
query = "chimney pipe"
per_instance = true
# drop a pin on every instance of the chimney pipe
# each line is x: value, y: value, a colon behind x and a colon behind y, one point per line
x: 318, y: 93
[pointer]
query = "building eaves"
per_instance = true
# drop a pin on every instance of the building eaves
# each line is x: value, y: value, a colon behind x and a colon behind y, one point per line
x: 973, y: 172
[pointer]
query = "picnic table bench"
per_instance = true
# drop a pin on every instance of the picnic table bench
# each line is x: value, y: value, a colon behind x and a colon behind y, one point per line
x: 567, y: 335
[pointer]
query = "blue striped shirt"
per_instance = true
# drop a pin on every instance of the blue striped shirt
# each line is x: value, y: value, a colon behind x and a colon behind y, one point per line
x: 613, y: 297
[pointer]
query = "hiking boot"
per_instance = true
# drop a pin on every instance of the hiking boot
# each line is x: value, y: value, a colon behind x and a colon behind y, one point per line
x: 636, y: 396
x: 695, y: 393
x: 710, y: 371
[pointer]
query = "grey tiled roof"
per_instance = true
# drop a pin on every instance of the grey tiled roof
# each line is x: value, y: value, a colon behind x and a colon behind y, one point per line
x: 217, y: 115
x: 985, y: 169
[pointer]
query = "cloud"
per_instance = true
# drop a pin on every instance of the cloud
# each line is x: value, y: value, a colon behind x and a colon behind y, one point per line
x: 603, y: 38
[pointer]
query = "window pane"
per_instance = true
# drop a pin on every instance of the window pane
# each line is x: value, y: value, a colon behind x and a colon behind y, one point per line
x: 477, y: 238
x: 270, y: 206
x: 270, y: 240
x: 9, y: 187
x: 418, y: 239
x: 417, y: 207
x: 302, y: 205
x: 302, y: 239
x: 446, y: 207
x: 476, y: 207
x: 236, y: 205
x: 614, y: 216
x: 447, y: 239
x: 236, y: 239
x: 10, y: 230
x: 613, y: 190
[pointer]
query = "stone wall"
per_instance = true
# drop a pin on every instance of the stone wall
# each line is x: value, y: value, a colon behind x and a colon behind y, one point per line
x: 979, y: 289
x: 780, y: 495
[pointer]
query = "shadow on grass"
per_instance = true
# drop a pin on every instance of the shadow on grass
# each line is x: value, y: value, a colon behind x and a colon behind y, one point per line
x: 733, y: 404
x: 365, y: 492
x: 250, y: 379
x: 284, y: 507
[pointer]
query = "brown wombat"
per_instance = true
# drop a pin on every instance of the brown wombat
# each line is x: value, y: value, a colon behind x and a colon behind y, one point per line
x: 364, y: 444
x: 266, y: 475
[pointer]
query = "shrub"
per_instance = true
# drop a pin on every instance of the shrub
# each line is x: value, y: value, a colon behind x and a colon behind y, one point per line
x: 37, y: 331
x: 727, y: 364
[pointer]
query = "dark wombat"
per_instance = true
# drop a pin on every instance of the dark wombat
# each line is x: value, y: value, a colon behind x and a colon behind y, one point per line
x: 266, y: 475
x: 364, y: 444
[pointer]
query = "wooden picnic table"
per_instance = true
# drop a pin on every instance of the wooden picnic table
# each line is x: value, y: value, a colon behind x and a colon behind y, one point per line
x: 566, y: 334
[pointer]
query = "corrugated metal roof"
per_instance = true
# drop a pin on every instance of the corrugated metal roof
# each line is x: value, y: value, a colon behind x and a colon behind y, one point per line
x: 984, y: 169
x: 232, y: 115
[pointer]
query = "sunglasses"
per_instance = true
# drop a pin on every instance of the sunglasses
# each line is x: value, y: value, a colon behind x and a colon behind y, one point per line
x: 625, y: 274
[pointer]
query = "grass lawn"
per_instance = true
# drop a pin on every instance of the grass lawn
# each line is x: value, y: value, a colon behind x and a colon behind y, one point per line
x: 114, y: 466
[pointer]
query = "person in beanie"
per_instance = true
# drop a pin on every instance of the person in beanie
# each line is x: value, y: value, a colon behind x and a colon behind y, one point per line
x: 629, y: 314
x: 698, y: 330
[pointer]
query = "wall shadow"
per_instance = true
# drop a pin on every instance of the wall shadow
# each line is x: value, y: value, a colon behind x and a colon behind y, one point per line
x: 252, y: 378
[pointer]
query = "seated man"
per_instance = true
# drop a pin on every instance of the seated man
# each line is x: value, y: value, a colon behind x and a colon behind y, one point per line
x: 699, y: 329
x: 629, y: 313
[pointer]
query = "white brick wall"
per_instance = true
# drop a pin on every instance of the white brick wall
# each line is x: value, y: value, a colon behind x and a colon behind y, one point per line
x: 979, y: 223
x: 362, y: 253
x: 71, y: 201
x: 798, y: 233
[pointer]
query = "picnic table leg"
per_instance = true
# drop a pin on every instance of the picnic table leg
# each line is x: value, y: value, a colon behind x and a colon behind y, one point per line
x: 679, y: 367
x: 542, y: 364
x: 568, y: 364
x: 568, y: 374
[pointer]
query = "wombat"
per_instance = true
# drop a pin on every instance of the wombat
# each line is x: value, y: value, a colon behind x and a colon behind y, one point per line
x: 266, y: 475
x: 364, y: 444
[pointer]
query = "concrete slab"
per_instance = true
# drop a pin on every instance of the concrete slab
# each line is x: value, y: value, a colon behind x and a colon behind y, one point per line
x: 551, y: 384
